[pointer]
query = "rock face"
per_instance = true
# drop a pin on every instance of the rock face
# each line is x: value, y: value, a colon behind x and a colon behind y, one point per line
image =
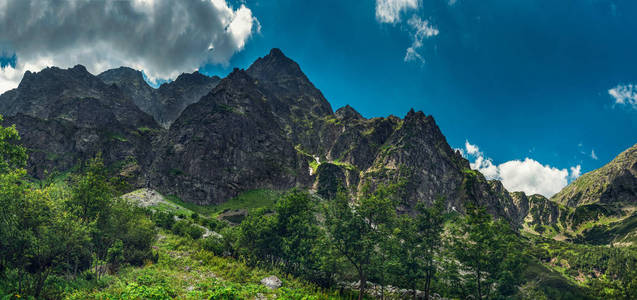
x: 228, y: 142
x: 68, y: 116
x: 264, y: 127
x: 166, y: 103
x: 616, y: 182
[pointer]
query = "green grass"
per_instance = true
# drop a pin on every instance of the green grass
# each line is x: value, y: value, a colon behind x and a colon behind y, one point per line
x: 260, y: 198
x: 186, y: 271
x: 117, y: 137
x: 344, y: 165
x: 314, y: 165
x: 250, y: 200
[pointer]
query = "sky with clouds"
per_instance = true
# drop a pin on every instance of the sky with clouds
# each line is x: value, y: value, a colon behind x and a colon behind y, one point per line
x: 535, y: 93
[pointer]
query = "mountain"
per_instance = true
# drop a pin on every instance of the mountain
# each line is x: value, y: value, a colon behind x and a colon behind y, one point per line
x: 269, y: 127
x: 206, y: 140
x: 166, y: 103
x: 597, y: 208
x: 615, y: 182
x: 68, y: 116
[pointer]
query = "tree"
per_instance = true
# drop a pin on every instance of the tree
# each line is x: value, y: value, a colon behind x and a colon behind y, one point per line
x: 296, y: 225
x: 351, y: 236
x: 357, y: 230
x: 420, y: 244
x: 111, y: 219
x: 12, y: 155
x: 490, y: 252
x: 429, y: 228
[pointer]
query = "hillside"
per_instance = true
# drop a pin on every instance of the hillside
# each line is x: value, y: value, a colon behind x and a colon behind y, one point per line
x: 264, y: 127
x: 205, y: 186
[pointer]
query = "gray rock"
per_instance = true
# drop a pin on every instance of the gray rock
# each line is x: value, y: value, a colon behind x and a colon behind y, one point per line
x: 271, y: 282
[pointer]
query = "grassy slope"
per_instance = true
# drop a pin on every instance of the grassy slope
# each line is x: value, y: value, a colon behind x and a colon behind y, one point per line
x: 261, y: 198
x: 185, y: 271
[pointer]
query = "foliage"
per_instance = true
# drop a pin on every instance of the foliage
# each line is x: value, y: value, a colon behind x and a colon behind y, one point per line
x: 490, y: 252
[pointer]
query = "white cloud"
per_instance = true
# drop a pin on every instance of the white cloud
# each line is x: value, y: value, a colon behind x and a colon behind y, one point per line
x: 576, y: 172
x: 389, y: 11
x: 625, y: 95
x: 471, y: 149
x: 422, y: 30
x: 528, y: 175
x: 593, y: 155
x: 161, y: 37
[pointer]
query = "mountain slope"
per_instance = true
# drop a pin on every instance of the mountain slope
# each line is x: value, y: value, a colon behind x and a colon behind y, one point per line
x: 269, y: 127
x: 265, y: 127
x: 615, y: 182
x: 167, y: 102
x: 68, y: 116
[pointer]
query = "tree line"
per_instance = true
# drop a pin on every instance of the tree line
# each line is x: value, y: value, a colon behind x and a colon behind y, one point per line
x: 51, y: 231
x: 365, y: 239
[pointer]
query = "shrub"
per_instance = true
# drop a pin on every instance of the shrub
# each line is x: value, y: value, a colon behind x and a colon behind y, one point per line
x: 185, y: 228
x: 213, y: 244
x: 164, y: 220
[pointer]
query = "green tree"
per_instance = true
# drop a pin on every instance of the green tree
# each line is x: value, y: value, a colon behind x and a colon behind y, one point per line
x: 358, y: 230
x: 297, y: 227
x: 429, y: 227
x: 420, y: 239
x: 490, y: 252
x: 351, y: 236
x: 12, y: 155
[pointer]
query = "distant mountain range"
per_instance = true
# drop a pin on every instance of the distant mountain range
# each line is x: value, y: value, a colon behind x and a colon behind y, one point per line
x: 206, y: 139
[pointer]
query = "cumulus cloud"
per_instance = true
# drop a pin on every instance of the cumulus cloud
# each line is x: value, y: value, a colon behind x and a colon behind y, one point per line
x: 161, y: 37
x: 625, y: 95
x: 421, y: 30
x: 526, y: 175
x: 389, y: 11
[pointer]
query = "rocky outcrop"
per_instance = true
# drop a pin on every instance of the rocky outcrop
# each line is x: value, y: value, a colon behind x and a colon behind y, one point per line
x: 264, y: 127
x: 167, y: 102
x: 68, y: 116
x: 228, y: 142
x: 615, y: 182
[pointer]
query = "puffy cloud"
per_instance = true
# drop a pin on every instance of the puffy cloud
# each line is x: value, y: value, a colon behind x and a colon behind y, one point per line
x: 388, y: 11
x: 576, y: 171
x: 625, y: 95
x: 471, y: 149
x: 164, y: 38
x: 526, y: 175
x: 421, y: 30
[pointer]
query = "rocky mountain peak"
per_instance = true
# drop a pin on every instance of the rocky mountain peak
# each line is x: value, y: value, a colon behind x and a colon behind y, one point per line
x: 348, y: 113
x: 194, y: 78
x: 122, y: 75
x: 275, y: 66
x: 615, y: 182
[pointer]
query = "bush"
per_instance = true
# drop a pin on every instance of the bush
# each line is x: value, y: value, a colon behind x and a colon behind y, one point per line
x: 164, y: 219
x: 213, y: 244
x: 213, y: 224
x: 185, y: 228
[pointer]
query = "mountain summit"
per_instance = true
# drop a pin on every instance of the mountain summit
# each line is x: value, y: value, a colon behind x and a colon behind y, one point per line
x: 264, y: 127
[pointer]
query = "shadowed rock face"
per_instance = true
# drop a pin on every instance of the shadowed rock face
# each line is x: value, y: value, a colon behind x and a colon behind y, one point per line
x: 226, y: 143
x: 68, y: 116
x: 166, y: 103
x: 264, y: 127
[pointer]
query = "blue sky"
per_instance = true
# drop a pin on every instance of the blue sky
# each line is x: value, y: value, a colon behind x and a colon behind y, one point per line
x: 518, y: 79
